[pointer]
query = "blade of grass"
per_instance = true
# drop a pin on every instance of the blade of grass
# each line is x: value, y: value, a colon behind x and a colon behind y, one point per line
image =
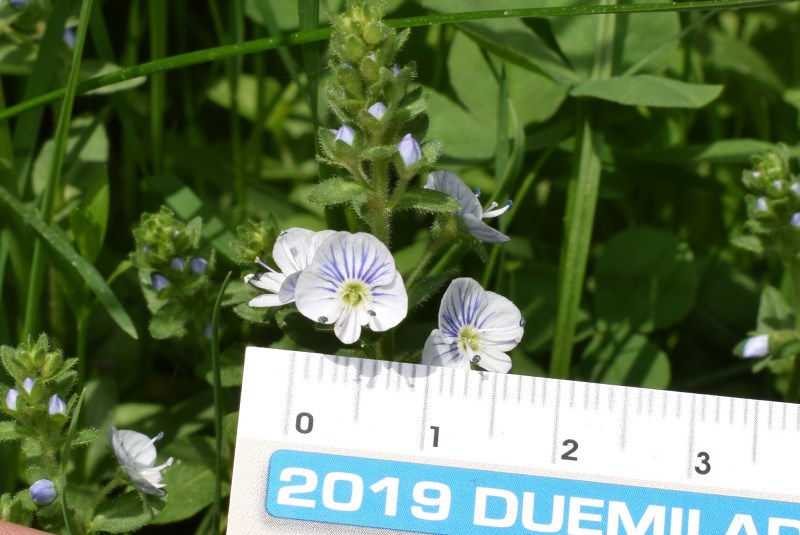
x: 581, y: 205
x: 39, y: 262
x: 234, y: 66
x: 157, y: 9
x: 215, y: 367
x: 71, y: 258
x: 27, y: 128
x: 260, y: 45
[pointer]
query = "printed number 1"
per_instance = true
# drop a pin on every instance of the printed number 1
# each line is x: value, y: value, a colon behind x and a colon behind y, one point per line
x: 435, y: 435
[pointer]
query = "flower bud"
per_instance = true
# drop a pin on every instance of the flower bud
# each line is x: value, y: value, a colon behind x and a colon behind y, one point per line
x: 178, y: 263
x: 345, y: 134
x: 372, y: 33
x: 409, y: 149
x: 795, y: 220
x: 395, y: 69
x: 761, y: 204
x: 18, y: 3
x: 199, y: 265
x: 56, y: 406
x: 159, y: 281
x: 43, y: 492
x: 27, y: 384
x: 377, y: 110
x: 795, y: 188
x: 11, y: 399
x: 756, y: 346
x: 69, y: 37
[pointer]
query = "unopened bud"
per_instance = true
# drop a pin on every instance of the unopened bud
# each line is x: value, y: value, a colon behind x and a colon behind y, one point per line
x: 199, y: 265
x: 756, y: 346
x: 409, y: 150
x: 43, y: 492
x: 11, y: 399
x: 159, y: 281
x: 377, y: 110
x: 345, y: 134
x: 56, y: 406
x: 27, y: 384
x: 178, y: 263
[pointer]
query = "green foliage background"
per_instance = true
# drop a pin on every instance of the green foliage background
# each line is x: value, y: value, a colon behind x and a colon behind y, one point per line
x: 211, y: 108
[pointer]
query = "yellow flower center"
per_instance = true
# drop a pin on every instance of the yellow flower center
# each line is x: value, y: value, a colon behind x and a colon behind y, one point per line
x: 354, y: 292
x: 469, y: 339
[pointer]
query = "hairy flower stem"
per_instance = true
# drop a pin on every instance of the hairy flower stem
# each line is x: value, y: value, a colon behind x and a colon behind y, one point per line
x: 380, y: 219
x: 104, y: 492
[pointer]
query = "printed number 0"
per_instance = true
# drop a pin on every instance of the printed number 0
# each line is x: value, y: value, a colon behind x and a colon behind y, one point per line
x: 573, y: 447
x: 705, y: 466
x: 304, y: 423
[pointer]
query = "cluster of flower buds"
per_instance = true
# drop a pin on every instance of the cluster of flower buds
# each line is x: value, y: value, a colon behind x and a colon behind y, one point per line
x: 174, y: 271
x: 374, y: 99
x: 39, y: 403
x: 773, y: 199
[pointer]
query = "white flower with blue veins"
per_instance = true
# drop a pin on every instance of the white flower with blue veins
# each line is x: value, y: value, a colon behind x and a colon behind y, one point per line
x: 136, y: 454
x: 475, y: 327
x: 293, y: 251
x: 352, y: 282
x: 471, y: 213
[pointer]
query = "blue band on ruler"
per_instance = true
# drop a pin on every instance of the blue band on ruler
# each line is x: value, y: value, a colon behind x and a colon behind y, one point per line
x: 448, y: 500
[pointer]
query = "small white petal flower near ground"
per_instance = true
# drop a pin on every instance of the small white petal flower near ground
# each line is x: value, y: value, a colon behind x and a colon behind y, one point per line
x: 377, y: 110
x: 345, y: 134
x: 136, y: 454
x: 409, y: 149
x: 43, y: 492
x: 56, y: 405
x: 293, y: 251
x: 352, y: 282
x: 475, y: 327
x: 11, y: 398
x: 756, y: 346
x: 471, y: 213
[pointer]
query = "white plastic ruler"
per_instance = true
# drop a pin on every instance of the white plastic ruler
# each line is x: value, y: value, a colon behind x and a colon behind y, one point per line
x: 343, y: 445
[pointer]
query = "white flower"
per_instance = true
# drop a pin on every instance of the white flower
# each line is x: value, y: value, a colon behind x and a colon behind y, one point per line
x: 409, y: 149
x: 471, y: 212
x: 345, y: 134
x: 56, y: 405
x: 11, y: 398
x: 475, y: 326
x: 377, y: 110
x: 293, y: 251
x: 352, y: 282
x: 756, y: 346
x: 137, y: 456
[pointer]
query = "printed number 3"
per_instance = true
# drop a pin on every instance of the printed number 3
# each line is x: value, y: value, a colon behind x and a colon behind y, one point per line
x: 705, y: 466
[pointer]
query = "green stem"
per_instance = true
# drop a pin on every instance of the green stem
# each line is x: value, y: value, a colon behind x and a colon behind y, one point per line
x: 380, y: 220
x: 38, y: 264
x: 105, y: 491
x: 158, y: 83
x: 581, y: 205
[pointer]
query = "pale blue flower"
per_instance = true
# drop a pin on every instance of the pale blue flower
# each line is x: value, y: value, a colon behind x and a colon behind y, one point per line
x: 159, y: 281
x: 377, y: 110
x: 68, y: 36
x: 761, y: 204
x: 199, y: 265
x: 471, y: 213
x: 178, y: 263
x: 475, y: 327
x: 293, y: 251
x: 43, y: 492
x: 136, y: 454
x: 352, y: 282
x: 756, y: 346
x: 27, y: 384
x: 409, y: 149
x: 56, y: 406
x: 344, y: 134
x: 395, y: 69
x: 11, y: 399
x: 795, y: 220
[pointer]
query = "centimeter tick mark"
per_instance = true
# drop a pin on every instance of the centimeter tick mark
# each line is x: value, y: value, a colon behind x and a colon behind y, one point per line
x: 689, y: 464
x: 357, y: 406
x: 556, y: 406
x: 493, y: 405
x: 425, y: 409
x: 755, y: 433
x: 289, y: 390
x: 624, y: 426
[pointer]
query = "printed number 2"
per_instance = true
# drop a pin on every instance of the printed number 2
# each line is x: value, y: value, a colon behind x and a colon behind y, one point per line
x: 705, y: 466
x: 573, y: 447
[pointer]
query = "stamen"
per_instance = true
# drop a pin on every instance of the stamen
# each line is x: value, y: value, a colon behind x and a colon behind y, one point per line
x: 476, y: 359
x: 477, y: 192
x: 493, y: 211
x: 262, y: 264
x: 371, y: 313
x: 322, y: 319
x: 522, y: 322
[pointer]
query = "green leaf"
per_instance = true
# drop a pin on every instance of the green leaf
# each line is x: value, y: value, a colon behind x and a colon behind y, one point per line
x: 426, y: 287
x: 426, y: 200
x: 647, y: 90
x: 305, y: 332
x: 646, y: 278
x: 126, y: 513
x: 620, y: 357
x: 463, y: 135
x: 8, y: 431
x: 169, y: 321
x: 774, y: 313
x: 749, y: 243
x: 190, y: 480
x: 89, y: 219
x: 76, y: 262
x: 335, y: 191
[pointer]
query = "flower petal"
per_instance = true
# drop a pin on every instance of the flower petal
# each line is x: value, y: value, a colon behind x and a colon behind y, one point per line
x: 348, y: 325
x: 389, y: 305
x: 483, y: 232
x: 460, y: 304
x: 286, y: 293
x: 291, y: 251
x: 316, y: 297
x: 494, y: 361
x: 451, y: 184
x: 266, y: 281
x: 437, y: 352
x: 266, y: 300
